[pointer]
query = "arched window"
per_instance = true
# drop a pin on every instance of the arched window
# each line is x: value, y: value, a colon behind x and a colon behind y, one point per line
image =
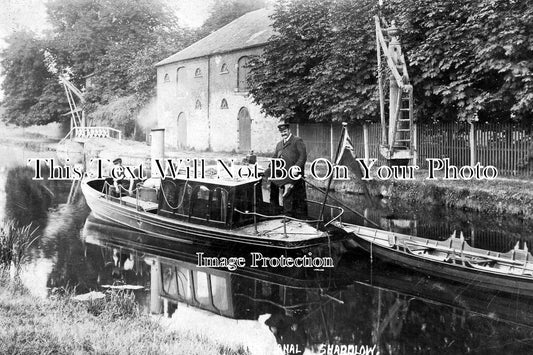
x: 167, y: 78
x: 180, y: 75
x: 198, y: 105
x: 245, y: 130
x: 198, y: 73
x: 243, y: 74
x: 224, y: 104
x: 224, y: 69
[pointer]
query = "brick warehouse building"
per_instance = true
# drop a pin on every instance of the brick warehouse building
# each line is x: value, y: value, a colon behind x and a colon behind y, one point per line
x: 202, y: 91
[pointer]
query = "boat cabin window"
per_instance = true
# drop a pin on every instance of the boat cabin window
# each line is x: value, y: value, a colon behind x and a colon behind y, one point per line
x: 209, y: 204
x: 175, y: 197
x: 170, y: 284
x: 202, y: 288
x: 198, y: 288
x: 244, y: 202
x: 176, y: 282
x: 219, y: 288
x: 211, y: 291
x: 269, y: 292
x: 200, y: 202
x: 219, y: 205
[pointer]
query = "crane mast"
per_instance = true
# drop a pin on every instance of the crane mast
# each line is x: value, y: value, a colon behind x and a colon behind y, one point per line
x: 397, y: 136
x: 77, y: 115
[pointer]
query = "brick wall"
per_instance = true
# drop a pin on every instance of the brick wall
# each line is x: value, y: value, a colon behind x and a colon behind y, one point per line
x: 211, y: 126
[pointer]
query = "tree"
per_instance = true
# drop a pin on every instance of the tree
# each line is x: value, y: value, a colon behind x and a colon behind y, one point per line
x: 320, y: 66
x: 127, y: 77
x: 30, y: 90
x: 471, y: 60
x: 223, y: 12
x: 116, y: 43
x: 468, y: 60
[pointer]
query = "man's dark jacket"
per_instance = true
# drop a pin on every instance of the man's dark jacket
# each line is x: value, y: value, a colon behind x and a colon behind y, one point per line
x: 293, y: 152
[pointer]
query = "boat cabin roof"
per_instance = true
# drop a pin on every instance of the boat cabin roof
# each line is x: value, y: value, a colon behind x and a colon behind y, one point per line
x: 214, y: 181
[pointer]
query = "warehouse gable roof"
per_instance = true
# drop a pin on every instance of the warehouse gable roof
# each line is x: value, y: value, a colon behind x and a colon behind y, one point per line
x: 251, y: 29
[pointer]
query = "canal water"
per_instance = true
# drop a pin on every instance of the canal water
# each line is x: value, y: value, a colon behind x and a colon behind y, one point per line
x: 362, y: 306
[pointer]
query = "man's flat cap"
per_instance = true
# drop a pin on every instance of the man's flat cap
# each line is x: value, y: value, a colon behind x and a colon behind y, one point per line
x: 283, y: 123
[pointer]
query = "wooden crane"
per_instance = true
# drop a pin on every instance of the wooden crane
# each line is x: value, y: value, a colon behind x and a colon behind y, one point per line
x: 77, y: 115
x: 397, y: 139
x: 79, y: 131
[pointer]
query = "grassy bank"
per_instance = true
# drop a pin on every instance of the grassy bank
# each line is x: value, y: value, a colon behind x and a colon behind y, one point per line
x: 113, y: 325
x: 500, y: 196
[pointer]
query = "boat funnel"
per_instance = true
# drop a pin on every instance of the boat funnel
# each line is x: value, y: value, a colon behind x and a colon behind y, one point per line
x: 157, y: 150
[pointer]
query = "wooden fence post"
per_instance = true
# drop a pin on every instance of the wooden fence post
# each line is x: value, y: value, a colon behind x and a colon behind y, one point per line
x: 331, y: 145
x: 415, y: 145
x: 366, y: 142
x: 472, y: 144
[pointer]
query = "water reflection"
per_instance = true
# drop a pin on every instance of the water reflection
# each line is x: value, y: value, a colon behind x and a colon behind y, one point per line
x: 26, y: 200
x: 58, y: 212
x: 492, y: 232
x: 363, y: 305
x: 358, y: 303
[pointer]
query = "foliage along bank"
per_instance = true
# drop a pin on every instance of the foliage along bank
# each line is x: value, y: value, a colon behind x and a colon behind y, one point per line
x: 107, y: 47
x: 469, y: 60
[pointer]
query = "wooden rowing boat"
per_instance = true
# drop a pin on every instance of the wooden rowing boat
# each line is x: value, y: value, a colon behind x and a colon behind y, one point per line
x: 452, y: 258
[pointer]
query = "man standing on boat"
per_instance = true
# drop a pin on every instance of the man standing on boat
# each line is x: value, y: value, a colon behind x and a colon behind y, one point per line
x: 292, y: 151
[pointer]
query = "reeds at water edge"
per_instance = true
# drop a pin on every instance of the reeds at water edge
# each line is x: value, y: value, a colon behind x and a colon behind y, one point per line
x: 15, y: 242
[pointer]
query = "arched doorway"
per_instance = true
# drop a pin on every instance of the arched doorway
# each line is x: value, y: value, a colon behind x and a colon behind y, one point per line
x: 245, y: 130
x: 182, y: 131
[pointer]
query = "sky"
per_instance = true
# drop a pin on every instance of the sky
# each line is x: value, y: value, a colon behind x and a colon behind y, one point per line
x: 18, y: 14
x: 31, y: 14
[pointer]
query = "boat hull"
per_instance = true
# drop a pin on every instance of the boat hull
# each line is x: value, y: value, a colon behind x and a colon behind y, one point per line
x: 455, y: 272
x: 98, y: 232
x: 202, y: 236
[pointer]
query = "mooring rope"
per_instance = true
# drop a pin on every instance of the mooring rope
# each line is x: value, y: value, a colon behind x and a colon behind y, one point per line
x: 344, y: 205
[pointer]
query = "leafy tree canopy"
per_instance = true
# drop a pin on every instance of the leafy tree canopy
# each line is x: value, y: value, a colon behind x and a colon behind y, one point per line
x: 116, y: 43
x: 32, y: 94
x: 469, y: 60
x: 223, y: 12
x: 320, y: 66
